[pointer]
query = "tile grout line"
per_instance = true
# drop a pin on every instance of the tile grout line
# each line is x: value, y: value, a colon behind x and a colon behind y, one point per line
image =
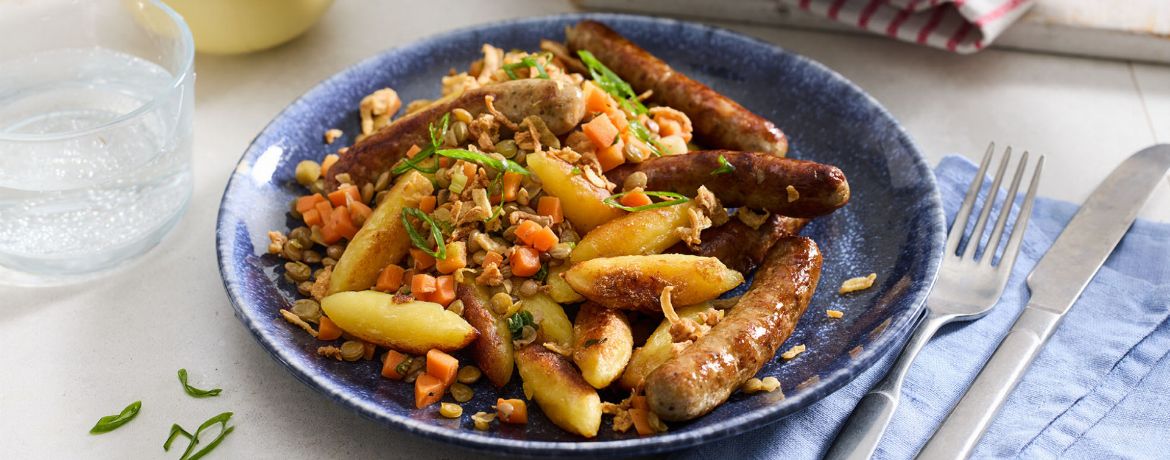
x: 1142, y: 98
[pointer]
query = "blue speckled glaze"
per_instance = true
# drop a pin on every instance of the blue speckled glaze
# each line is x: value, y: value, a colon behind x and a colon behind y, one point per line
x: 893, y: 226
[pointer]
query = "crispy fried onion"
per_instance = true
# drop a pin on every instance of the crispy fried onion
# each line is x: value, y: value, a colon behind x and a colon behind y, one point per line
x: 706, y: 213
x: 489, y: 101
x: 687, y: 330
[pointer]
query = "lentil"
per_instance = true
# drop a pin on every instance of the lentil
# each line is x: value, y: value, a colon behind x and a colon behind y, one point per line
x: 450, y: 410
x: 297, y: 271
x: 529, y: 288
x: 294, y: 250
x: 311, y: 257
x: 308, y: 171
x: 635, y: 180
x: 383, y: 182
x: 483, y: 420
x: 462, y: 115
x: 501, y: 303
x: 461, y: 392
x: 334, y: 251
x: 307, y: 309
x: 456, y: 307
x: 301, y: 234
x: 507, y: 148
x: 459, y: 129
x: 468, y: 374
x: 352, y: 350
x: 328, y: 261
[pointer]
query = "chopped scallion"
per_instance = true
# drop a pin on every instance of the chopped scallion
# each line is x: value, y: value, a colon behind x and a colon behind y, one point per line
x: 483, y: 159
x: 195, y: 392
x: 418, y: 240
x: 527, y: 61
x: 112, y: 422
x: 613, y: 200
x: 724, y: 167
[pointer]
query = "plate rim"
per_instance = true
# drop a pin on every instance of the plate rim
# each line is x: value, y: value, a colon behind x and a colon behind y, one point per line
x: 898, y: 331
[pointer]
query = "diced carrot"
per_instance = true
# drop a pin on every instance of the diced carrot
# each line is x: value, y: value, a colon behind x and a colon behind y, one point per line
x: 427, y: 390
x: 618, y: 117
x: 544, y: 239
x: 422, y: 283
x: 639, y: 402
x: 635, y: 199
x: 469, y: 169
x: 526, y: 230
x: 442, y: 366
x: 456, y: 258
x: 305, y: 203
x: 343, y: 223
x: 595, y: 99
x: 551, y: 206
x: 312, y: 217
x: 359, y: 213
x: 422, y: 260
x: 612, y: 156
x: 493, y: 257
x: 444, y: 291
x: 368, y: 351
x: 329, y: 233
x: 390, y: 279
x: 413, y: 150
x: 427, y: 204
x: 337, y: 197
x: 390, y: 365
x: 327, y: 163
x: 525, y: 261
x: 324, y: 207
x: 601, y: 131
x: 444, y: 162
x: 513, y: 411
x: 642, y: 421
x: 327, y: 329
x: 511, y: 185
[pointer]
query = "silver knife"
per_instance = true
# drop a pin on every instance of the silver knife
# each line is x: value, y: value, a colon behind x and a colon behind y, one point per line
x: 1055, y: 283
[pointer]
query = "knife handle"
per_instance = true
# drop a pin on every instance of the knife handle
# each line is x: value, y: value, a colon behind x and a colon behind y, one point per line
x: 960, y: 432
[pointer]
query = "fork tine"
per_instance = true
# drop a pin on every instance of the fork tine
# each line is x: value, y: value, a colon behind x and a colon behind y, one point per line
x: 988, y: 203
x: 955, y: 235
x: 1005, y: 210
x: 1013, y: 246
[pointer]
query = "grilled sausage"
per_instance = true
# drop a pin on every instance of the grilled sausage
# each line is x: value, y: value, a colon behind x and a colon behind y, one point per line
x: 718, y: 120
x: 703, y: 375
x: 759, y: 181
x: 740, y: 247
x: 558, y: 103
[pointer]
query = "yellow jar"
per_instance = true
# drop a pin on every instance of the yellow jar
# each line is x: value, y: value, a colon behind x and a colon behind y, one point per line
x: 244, y: 26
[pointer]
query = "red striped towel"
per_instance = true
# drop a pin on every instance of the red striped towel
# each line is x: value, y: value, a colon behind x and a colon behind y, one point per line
x: 961, y: 26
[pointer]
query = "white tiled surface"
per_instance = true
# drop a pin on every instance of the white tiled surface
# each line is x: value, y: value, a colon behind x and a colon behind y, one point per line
x: 75, y: 353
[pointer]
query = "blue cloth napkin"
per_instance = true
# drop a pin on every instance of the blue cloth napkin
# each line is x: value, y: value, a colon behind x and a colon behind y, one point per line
x: 1099, y: 389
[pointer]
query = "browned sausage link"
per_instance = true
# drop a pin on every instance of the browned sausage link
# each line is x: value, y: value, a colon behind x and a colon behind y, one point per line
x: 759, y: 181
x: 718, y: 120
x: 703, y: 375
x: 740, y: 247
x: 478, y: 315
x: 558, y: 103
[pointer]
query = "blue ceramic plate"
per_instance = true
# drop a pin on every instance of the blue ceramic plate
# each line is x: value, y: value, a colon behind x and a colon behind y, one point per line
x: 892, y: 227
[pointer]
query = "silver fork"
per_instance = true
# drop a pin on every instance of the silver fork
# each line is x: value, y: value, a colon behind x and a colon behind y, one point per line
x: 966, y: 288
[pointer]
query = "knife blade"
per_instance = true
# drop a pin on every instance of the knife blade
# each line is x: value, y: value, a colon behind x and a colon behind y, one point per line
x: 1055, y: 284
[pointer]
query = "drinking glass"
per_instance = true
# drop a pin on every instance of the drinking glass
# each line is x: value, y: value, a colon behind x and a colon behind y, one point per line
x: 96, y: 104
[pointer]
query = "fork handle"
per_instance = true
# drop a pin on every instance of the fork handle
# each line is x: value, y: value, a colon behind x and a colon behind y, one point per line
x: 858, y: 439
x: 962, y: 429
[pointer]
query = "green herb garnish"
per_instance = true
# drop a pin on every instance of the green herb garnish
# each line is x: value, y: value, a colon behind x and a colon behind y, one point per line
x: 195, y: 391
x: 112, y: 422
x: 575, y: 171
x: 527, y: 61
x: 517, y: 321
x: 675, y: 198
x: 496, y: 211
x: 418, y: 240
x: 482, y: 159
x: 426, y: 153
x: 176, y: 430
x: 542, y: 274
x: 724, y: 167
x: 611, y: 83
